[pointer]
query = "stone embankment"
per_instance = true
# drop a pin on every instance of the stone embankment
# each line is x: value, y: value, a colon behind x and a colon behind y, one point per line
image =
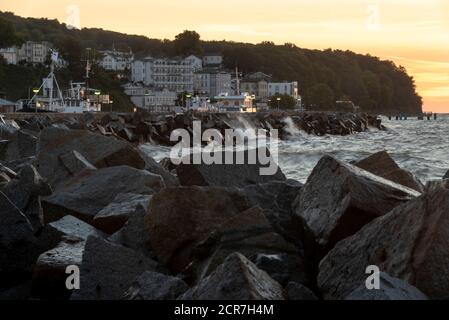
x: 73, y: 195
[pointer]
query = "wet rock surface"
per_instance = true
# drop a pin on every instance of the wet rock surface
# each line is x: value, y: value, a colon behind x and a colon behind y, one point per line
x: 84, y: 197
x: 87, y: 196
x: 389, y: 289
x: 408, y: 243
x: 156, y: 286
x: 339, y: 199
x: 108, y: 270
x: 238, y: 174
x: 236, y: 279
x: 381, y: 164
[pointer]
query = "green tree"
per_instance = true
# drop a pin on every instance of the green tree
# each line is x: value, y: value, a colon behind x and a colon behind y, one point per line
x: 286, y: 102
x: 320, y: 97
x: 8, y: 35
x: 187, y: 43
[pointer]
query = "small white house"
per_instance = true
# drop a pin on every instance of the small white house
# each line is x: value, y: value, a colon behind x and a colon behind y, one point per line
x: 11, y: 55
x: 212, y: 60
x: 116, y: 60
x: 196, y: 62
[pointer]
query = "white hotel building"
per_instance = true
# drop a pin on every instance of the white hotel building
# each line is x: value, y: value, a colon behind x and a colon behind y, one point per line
x: 171, y: 74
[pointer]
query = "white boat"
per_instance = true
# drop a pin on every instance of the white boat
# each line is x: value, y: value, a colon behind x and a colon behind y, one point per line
x: 79, y: 98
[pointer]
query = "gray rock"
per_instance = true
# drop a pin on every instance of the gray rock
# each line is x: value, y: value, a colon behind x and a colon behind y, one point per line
x: 17, y: 241
x: 339, y: 199
x: 381, y: 164
x: 297, y: 291
x: 226, y: 175
x: 98, y: 150
x: 156, y: 286
x: 446, y: 176
x: 108, y: 270
x: 67, y: 227
x: 86, y: 196
x: 236, y: 279
x: 151, y: 165
x: 251, y: 234
x: 390, y: 289
x: 21, y: 144
x: 134, y: 234
x: 409, y: 243
x: 76, y: 163
x: 49, y: 273
x: 114, y: 216
x: 180, y: 218
x: 25, y: 192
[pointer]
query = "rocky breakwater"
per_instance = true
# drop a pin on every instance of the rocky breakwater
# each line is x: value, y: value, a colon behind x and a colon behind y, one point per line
x: 146, y: 127
x: 136, y: 231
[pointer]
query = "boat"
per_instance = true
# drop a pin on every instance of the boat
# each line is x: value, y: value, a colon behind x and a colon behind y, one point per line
x: 79, y: 98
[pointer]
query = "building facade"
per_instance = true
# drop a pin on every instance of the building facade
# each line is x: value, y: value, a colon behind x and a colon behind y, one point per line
x: 34, y: 52
x: 196, y: 62
x: 212, y: 82
x: 116, y: 60
x: 288, y: 88
x: 151, y: 99
x: 212, y: 60
x: 10, y: 55
x: 171, y: 74
x: 241, y: 103
x: 256, y: 84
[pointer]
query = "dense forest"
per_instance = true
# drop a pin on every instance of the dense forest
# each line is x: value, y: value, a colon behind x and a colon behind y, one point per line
x: 324, y: 76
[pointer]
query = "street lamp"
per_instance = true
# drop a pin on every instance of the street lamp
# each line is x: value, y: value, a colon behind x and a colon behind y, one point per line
x: 279, y: 102
x: 35, y: 91
x: 98, y: 93
x: 188, y: 96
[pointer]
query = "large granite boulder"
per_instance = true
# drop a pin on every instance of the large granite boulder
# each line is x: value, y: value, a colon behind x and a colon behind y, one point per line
x: 151, y: 165
x: 339, y: 199
x: 297, y: 291
x: 84, y: 197
x: 236, y: 279
x: 108, y: 270
x: 18, y: 248
x: 409, y: 243
x: 49, y: 273
x: 228, y: 175
x: 98, y: 150
x: 21, y: 144
x: 66, y: 227
x: 390, y: 289
x: 381, y: 164
x: 114, y: 216
x: 25, y: 192
x: 251, y: 234
x: 156, y: 286
x: 180, y: 218
x: 134, y: 234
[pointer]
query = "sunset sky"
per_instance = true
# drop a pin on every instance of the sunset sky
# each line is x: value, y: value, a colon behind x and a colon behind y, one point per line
x: 413, y: 33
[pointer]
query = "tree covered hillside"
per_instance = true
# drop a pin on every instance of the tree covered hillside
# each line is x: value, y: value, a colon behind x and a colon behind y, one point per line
x: 324, y: 76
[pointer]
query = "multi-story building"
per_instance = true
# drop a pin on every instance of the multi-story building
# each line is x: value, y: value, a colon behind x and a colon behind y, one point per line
x: 116, y: 60
x: 34, y: 52
x: 256, y: 84
x: 11, y: 55
x: 212, y: 82
x: 172, y: 74
x: 151, y: 99
x: 288, y: 88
